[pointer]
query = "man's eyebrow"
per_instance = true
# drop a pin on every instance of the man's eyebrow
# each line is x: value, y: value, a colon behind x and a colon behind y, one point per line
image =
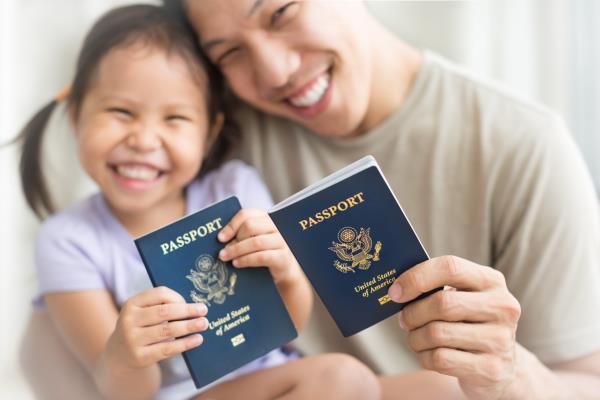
x: 215, y: 42
x: 255, y: 7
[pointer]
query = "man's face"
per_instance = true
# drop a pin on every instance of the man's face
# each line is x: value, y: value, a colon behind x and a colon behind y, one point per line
x: 308, y: 61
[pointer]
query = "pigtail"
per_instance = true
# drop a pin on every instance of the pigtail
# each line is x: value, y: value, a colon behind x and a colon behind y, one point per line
x: 33, y: 181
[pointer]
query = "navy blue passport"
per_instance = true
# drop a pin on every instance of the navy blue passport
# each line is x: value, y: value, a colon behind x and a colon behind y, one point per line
x: 247, y: 315
x: 352, y: 239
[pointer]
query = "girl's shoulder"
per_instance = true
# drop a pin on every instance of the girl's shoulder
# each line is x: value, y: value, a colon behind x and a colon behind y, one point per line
x: 233, y: 178
x: 81, y: 221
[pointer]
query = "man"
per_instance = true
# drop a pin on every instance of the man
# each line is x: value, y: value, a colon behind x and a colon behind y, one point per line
x: 482, y: 175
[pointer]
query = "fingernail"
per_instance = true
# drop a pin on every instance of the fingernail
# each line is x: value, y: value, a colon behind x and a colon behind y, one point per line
x: 235, y: 263
x: 401, y: 322
x: 201, y: 308
x: 223, y: 254
x: 222, y: 236
x: 395, y: 292
x: 201, y: 324
x: 196, y: 339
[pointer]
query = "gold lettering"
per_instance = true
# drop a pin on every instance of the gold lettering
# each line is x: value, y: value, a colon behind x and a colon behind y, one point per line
x: 359, y: 195
x: 331, y: 211
x: 191, y: 236
x: 164, y: 247
x: 344, y: 204
x: 303, y: 224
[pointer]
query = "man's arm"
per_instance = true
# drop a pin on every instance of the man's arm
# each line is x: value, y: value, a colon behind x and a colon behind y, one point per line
x: 577, y: 379
x: 470, y: 333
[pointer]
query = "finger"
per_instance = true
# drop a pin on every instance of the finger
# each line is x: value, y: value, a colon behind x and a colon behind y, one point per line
x: 438, y: 272
x: 486, y: 338
x: 259, y: 259
x: 154, y: 296
x: 464, y: 364
x: 230, y: 230
x: 255, y: 226
x: 241, y: 248
x: 450, y: 306
x: 170, y: 330
x: 162, y: 350
x: 170, y: 312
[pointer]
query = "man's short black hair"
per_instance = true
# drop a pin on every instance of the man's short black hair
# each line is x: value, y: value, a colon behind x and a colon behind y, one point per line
x: 176, y: 8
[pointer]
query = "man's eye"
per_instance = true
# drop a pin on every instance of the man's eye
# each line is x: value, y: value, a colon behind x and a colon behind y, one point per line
x: 282, y: 11
x: 227, y: 55
x: 121, y: 111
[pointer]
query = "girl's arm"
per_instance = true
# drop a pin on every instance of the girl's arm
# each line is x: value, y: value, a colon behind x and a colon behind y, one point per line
x: 121, y: 350
x: 258, y: 243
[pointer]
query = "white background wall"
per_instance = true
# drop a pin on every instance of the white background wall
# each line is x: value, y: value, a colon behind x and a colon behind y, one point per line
x: 547, y: 49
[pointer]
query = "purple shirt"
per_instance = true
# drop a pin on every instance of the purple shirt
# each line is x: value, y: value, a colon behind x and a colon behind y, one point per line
x: 86, y: 248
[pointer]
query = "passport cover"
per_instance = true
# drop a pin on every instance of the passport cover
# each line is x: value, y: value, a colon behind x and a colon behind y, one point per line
x: 246, y: 313
x: 352, y: 240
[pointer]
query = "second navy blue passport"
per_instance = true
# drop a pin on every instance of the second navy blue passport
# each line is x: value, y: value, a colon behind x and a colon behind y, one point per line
x: 247, y: 315
x: 352, y: 239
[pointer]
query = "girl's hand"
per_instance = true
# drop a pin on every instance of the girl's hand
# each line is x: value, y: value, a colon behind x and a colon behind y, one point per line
x: 148, y: 327
x: 257, y: 243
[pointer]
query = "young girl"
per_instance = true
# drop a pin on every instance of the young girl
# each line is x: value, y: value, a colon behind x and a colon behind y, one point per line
x: 150, y: 130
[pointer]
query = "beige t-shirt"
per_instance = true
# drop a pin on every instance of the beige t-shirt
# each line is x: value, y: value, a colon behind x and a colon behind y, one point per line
x: 481, y: 174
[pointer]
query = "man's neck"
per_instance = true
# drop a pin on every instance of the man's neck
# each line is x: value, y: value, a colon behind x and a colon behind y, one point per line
x: 395, y: 67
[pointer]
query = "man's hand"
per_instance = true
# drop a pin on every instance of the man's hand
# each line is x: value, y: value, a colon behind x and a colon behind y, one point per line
x: 466, y: 330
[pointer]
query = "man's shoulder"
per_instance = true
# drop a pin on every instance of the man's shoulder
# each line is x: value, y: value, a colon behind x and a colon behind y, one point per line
x: 490, y: 110
x: 482, y: 94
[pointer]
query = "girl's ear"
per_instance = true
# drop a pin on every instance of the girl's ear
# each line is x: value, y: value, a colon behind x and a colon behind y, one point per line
x: 214, y: 131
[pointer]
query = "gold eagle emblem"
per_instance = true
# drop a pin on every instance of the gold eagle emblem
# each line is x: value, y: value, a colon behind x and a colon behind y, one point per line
x: 354, y: 248
x: 211, y: 281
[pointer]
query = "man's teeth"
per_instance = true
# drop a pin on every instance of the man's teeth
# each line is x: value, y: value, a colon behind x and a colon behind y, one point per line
x: 312, y: 95
x: 138, y: 172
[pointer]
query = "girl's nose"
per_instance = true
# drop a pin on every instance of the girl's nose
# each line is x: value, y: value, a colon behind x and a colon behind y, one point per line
x: 144, y: 138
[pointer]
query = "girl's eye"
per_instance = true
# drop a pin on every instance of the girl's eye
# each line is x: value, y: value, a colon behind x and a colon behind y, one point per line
x: 284, y: 12
x: 121, y: 111
x: 176, y: 117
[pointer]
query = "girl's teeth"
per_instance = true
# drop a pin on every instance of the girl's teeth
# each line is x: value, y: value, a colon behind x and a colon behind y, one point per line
x: 312, y: 95
x: 138, y: 172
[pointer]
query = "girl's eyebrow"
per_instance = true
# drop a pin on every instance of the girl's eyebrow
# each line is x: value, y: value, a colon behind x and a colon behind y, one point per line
x: 113, y: 97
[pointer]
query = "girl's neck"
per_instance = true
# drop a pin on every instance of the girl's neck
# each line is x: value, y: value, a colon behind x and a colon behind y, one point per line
x: 140, y: 223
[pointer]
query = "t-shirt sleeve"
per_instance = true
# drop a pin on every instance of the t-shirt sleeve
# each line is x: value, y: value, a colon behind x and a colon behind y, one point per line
x: 547, y: 244
x: 64, y: 258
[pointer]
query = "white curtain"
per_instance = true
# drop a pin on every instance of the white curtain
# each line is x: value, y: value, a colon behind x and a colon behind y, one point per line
x: 548, y: 50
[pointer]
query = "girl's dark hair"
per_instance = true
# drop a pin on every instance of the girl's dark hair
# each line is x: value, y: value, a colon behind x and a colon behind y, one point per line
x: 147, y: 24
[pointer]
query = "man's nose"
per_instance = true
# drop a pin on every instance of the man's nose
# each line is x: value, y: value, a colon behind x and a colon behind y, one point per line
x: 144, y: 137
x: 274, y: 64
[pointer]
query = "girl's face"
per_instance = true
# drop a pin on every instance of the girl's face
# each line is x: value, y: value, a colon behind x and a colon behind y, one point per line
x: 142, y: 129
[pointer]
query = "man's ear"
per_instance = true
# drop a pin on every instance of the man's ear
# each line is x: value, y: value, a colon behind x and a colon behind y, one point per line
x: 214, y: 131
